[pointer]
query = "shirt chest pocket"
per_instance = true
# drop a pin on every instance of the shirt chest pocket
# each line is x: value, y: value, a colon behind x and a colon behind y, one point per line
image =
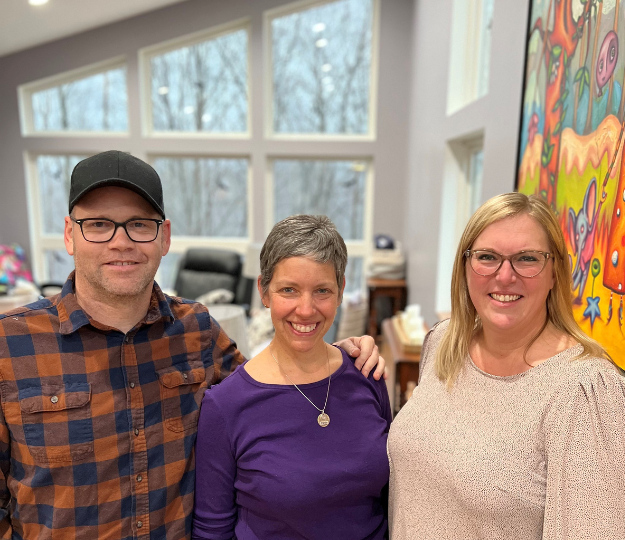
x: 181, y: 394
x: 57, y: 421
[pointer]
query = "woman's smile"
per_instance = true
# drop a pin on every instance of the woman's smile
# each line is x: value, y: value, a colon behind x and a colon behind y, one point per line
x: 303, y: 297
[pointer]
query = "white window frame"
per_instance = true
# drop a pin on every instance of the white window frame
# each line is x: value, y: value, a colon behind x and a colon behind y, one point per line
x: 179, y: 244
x: 460, y: 197
x: 40, y: 242
x: 289, y: 9
x: 145, y: 80
x: 257, y: 145
x: 26, y: 91
x: 463, y: 86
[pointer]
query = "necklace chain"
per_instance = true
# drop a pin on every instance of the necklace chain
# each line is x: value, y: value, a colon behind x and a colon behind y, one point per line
x: 322, y: 411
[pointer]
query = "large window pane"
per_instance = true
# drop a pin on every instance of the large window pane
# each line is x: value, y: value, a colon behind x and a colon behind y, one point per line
x: 321, y: 69
x: 202, y: 87
x: 476, y: 174
x: 95, y: 103
x: 354, y: 277
x: 168, y: 270
x: 485, y: 39
x: 332, y: 188
x: 59, y: 265
x: 205, y: 196
x: 53, y: 174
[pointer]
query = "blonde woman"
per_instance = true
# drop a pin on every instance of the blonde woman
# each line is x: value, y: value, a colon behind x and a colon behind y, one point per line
x: 517, y: 427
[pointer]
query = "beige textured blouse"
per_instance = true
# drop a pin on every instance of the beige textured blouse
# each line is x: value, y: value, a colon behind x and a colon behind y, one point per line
x: 539, y: 455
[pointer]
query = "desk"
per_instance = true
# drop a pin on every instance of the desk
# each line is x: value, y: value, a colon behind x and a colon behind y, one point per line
x: 395, y: 289
x: 402, y: 366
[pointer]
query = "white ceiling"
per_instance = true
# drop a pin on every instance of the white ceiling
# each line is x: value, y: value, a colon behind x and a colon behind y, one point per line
x: 23, y: 26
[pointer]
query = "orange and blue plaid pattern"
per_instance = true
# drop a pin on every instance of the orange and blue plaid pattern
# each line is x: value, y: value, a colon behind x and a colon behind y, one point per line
x: 97, y: 427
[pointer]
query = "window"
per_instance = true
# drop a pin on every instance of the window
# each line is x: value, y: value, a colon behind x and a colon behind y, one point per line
x: 462, y: 190
x: 53, y: 175
x: 321, y: 80
x: 338, y: 189
x: 205, y: 197
x: 93, y: 99
x: 199, y: 87
x: 58, y: 265
x: 48, y: 193
x: 168, y: 269
x: 354, y: 274
x: 469, y: 63
x: 332, y: 188
x: 321, y: 69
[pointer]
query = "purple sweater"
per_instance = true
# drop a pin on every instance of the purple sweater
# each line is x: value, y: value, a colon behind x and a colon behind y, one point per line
x: 266, y: 470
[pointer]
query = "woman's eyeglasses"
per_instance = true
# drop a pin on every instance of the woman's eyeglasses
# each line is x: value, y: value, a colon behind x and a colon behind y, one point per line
x: 525, y: 263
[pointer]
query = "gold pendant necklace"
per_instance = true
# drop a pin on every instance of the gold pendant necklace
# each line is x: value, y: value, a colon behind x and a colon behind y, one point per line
x: 323, y: 419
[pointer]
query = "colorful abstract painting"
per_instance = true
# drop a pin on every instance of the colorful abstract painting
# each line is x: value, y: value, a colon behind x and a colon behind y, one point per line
x: 571, y: 149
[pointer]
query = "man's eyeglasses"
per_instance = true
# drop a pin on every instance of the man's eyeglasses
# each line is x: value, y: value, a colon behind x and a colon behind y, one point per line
x: 525, y: 263
x: 100, y: 230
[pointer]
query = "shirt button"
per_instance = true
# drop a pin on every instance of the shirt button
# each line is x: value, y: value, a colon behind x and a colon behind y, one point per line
x: 139, y: 524
x: 139, y: 478
x: 185, y: 376
x: 136, y: 432
x: 132, y: 385
x: 54, y: 399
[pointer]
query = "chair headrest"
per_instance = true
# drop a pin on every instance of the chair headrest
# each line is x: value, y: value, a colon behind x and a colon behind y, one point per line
x: 213, y: 260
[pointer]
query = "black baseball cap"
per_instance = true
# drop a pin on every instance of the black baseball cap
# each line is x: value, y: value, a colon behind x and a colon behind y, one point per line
x: 115, y: 168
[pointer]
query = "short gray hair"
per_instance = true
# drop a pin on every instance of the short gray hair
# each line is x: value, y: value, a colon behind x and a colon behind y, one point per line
x: 303, y: 235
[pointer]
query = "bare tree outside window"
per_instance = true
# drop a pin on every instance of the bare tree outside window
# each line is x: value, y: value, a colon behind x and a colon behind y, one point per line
x: 332, y: 188
x: 53, y: 173
x: 95, y: 103
x: 205, y: 196
x: 168, y: 269
x: 202, y: 87
x: 321, y: 69
x: 60, y: 264
x: 353, y: 274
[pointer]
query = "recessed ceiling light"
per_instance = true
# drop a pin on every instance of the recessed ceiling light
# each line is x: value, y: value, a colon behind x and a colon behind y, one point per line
x: 37, y: 2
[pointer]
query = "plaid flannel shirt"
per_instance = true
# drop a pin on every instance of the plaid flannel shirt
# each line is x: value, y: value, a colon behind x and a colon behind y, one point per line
x: 97, y: 427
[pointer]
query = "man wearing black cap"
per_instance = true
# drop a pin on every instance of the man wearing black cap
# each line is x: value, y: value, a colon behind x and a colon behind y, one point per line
x: 101, y: 385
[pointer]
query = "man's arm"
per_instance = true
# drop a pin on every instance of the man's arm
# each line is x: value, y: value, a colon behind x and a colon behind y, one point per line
x: 366, y: 354
x: 6, y: 529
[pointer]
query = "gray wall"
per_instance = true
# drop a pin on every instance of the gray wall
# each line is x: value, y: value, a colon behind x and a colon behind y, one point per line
x: 389, y: 152
x: 497, y: 114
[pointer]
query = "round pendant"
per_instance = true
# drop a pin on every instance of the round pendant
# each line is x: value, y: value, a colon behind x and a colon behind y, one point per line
x: 323, y: 420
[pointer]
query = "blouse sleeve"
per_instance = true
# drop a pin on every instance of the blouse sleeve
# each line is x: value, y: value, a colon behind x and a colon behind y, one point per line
x: 585, y: 455
x: 215, y: 513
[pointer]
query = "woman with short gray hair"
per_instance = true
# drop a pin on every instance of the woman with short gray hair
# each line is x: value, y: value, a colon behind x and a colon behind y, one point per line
x: 303, y: 236
x: 295, y: 438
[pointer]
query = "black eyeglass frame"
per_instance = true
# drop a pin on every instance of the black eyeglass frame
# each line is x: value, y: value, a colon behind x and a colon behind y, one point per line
x: 469, y: 252
x: 118, y: 224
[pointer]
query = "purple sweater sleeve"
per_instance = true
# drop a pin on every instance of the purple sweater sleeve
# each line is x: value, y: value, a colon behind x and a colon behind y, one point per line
x: 215, y: 507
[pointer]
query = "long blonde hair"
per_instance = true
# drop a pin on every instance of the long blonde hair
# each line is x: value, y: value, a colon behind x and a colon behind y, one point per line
x: 465, y: 321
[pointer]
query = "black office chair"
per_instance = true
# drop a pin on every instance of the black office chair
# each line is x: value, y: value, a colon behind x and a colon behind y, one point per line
x: 202, y: 270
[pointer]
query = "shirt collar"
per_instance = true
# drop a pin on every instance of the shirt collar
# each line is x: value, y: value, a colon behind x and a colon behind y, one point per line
x: 72, y: 317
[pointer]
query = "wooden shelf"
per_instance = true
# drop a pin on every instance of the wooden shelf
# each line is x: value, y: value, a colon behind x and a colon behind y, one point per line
x: 402, y: 366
